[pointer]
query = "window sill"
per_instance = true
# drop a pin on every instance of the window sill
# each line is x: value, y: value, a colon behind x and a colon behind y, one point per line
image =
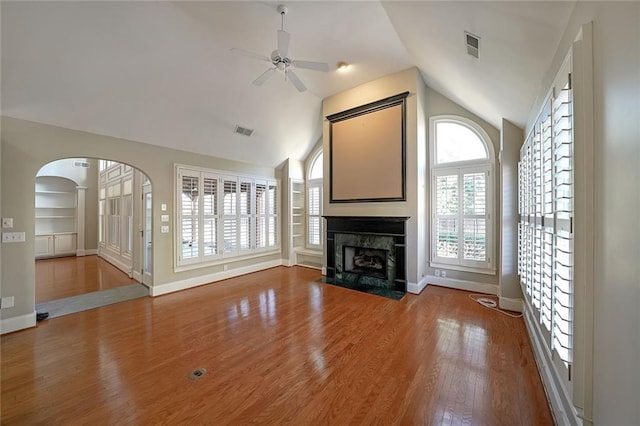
x: 460, y: 268
x: 309, y: 251
x: 225, y: 260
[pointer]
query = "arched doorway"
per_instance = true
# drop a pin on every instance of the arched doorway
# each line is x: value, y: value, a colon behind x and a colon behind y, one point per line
x: 93, y: 234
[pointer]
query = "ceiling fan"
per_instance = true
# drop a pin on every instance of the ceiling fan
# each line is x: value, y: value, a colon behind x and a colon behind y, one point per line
x: 280, y: 60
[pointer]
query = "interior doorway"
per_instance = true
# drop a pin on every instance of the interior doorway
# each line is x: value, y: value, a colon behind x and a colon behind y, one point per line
x: 89, y: 213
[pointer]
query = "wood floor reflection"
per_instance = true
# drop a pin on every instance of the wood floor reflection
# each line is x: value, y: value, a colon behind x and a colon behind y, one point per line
x: 278, y: 347
x: 71, y: 276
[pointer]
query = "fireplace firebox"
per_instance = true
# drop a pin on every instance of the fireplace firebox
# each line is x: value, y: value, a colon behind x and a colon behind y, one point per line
x: 365, y: 261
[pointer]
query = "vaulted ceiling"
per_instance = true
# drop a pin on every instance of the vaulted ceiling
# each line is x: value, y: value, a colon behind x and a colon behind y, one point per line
x: 163, y: 72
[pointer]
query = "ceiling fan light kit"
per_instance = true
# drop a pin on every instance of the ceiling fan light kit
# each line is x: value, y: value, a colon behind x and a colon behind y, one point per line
x: 280, y: 60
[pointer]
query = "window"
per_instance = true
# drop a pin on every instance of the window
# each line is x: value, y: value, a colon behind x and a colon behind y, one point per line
x: 462, y: 195
x: 222, y: 216
x: 545, y: 255
x: 314, y: 203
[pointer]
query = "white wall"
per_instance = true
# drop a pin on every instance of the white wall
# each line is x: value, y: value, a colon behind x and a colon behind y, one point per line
x: 511, y: 138
x: 616, y: 270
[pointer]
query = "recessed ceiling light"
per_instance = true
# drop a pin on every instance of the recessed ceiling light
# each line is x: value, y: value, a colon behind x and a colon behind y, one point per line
x: 342, y: 66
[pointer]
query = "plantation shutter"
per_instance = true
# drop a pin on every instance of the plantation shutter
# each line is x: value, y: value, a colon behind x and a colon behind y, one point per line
x: 261, y: 214
x: 229, y: 215
x: 545, y: 258
x: 210, y: 215
x: 189, y: 217
x: 314, y: 194
x: 462, y: 200
x: 273, y: 215
x: 245, y: 215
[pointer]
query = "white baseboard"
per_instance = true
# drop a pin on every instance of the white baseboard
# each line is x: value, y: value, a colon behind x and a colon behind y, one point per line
x: 561, y: 406
x: 509, y: 304
x: 323, y: 270
x: 20, y: 322
x: 416, y: 288
x: 118, y: 263
x: 160, y: 289
x: 137, y: 276
x: 463, y: 285
x: 89, y: 252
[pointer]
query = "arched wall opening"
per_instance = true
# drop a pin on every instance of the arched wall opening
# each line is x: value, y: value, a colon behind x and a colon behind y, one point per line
x: 88, y: 206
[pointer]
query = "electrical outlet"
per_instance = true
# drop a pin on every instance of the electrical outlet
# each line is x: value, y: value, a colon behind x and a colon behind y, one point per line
x: 225, y: 267
x: 443, y: 274
x: 437, y: 272
x: 164, y: 229
x: 13, y: 237
x: 7, y: 222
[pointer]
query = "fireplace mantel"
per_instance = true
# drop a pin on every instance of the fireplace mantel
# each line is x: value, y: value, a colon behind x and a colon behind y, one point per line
x: 388, y: 232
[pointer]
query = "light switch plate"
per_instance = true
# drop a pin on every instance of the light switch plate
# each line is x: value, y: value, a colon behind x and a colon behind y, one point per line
x: 7, y: 222
x: 164, y: 218
x: 164, y: 229
x: 7, y: 302
x: 163, y: 207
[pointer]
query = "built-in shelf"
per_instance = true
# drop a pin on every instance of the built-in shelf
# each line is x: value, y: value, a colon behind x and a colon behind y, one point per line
x: 55, y: 216
x: 297, y: 214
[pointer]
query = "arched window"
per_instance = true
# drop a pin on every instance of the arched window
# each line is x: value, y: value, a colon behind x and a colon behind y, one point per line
x: 315, y: 171
x: 462, y: 187
x: 314, y: 202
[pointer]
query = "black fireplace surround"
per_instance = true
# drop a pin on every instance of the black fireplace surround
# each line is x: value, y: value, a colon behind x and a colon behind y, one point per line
x: 367, y: 253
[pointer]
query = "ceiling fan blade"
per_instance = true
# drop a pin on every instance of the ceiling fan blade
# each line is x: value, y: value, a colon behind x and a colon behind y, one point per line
x: 296, y: 81
x: 264, y: 77
x: 309, y: 65
x: 283, y: 43
x: 250, y: 54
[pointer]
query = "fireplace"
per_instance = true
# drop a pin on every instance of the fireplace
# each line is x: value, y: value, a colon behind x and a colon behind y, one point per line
x: 367, y: 252
x: 365, y: 261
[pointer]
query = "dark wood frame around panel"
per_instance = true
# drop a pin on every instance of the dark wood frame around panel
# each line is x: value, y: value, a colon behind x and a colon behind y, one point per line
x: 389, y: 102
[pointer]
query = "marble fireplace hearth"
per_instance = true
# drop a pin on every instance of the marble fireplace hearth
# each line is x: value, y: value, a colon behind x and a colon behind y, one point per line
x: 367, y: 253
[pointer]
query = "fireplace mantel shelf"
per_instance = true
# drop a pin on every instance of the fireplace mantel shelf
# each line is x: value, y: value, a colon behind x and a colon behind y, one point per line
x: 384, y: 218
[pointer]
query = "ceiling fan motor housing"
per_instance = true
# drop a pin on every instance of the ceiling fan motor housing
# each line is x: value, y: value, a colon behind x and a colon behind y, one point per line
x: 278, y: 62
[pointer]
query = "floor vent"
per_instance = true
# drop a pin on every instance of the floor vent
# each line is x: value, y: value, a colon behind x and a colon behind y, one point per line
x: 473, y: 44
x: 242, y: 131
x: 196, y: 374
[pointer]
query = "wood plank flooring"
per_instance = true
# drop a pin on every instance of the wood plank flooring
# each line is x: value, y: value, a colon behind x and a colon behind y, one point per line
x: 71, y: 276
x: 279, y: 347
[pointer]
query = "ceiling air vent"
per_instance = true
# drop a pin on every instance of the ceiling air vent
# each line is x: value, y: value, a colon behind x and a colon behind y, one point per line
x: 82, y: 164
x: 473, y: 44
x: 242, y: 131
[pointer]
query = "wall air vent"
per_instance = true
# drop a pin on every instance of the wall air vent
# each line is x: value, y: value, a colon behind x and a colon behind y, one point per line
x: 242, y: 131
x: 82, y: 164
x: 473, y: 44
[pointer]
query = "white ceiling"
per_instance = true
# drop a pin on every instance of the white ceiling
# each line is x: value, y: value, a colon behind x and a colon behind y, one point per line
x: 162, y: 72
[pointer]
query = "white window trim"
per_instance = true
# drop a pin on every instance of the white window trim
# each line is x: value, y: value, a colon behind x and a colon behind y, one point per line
x: 221, y: 258
x: 485, y: 164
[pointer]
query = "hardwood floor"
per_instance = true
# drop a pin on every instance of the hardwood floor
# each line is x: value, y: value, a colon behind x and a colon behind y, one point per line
x: 278, y: 347
x: 70, y: 276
